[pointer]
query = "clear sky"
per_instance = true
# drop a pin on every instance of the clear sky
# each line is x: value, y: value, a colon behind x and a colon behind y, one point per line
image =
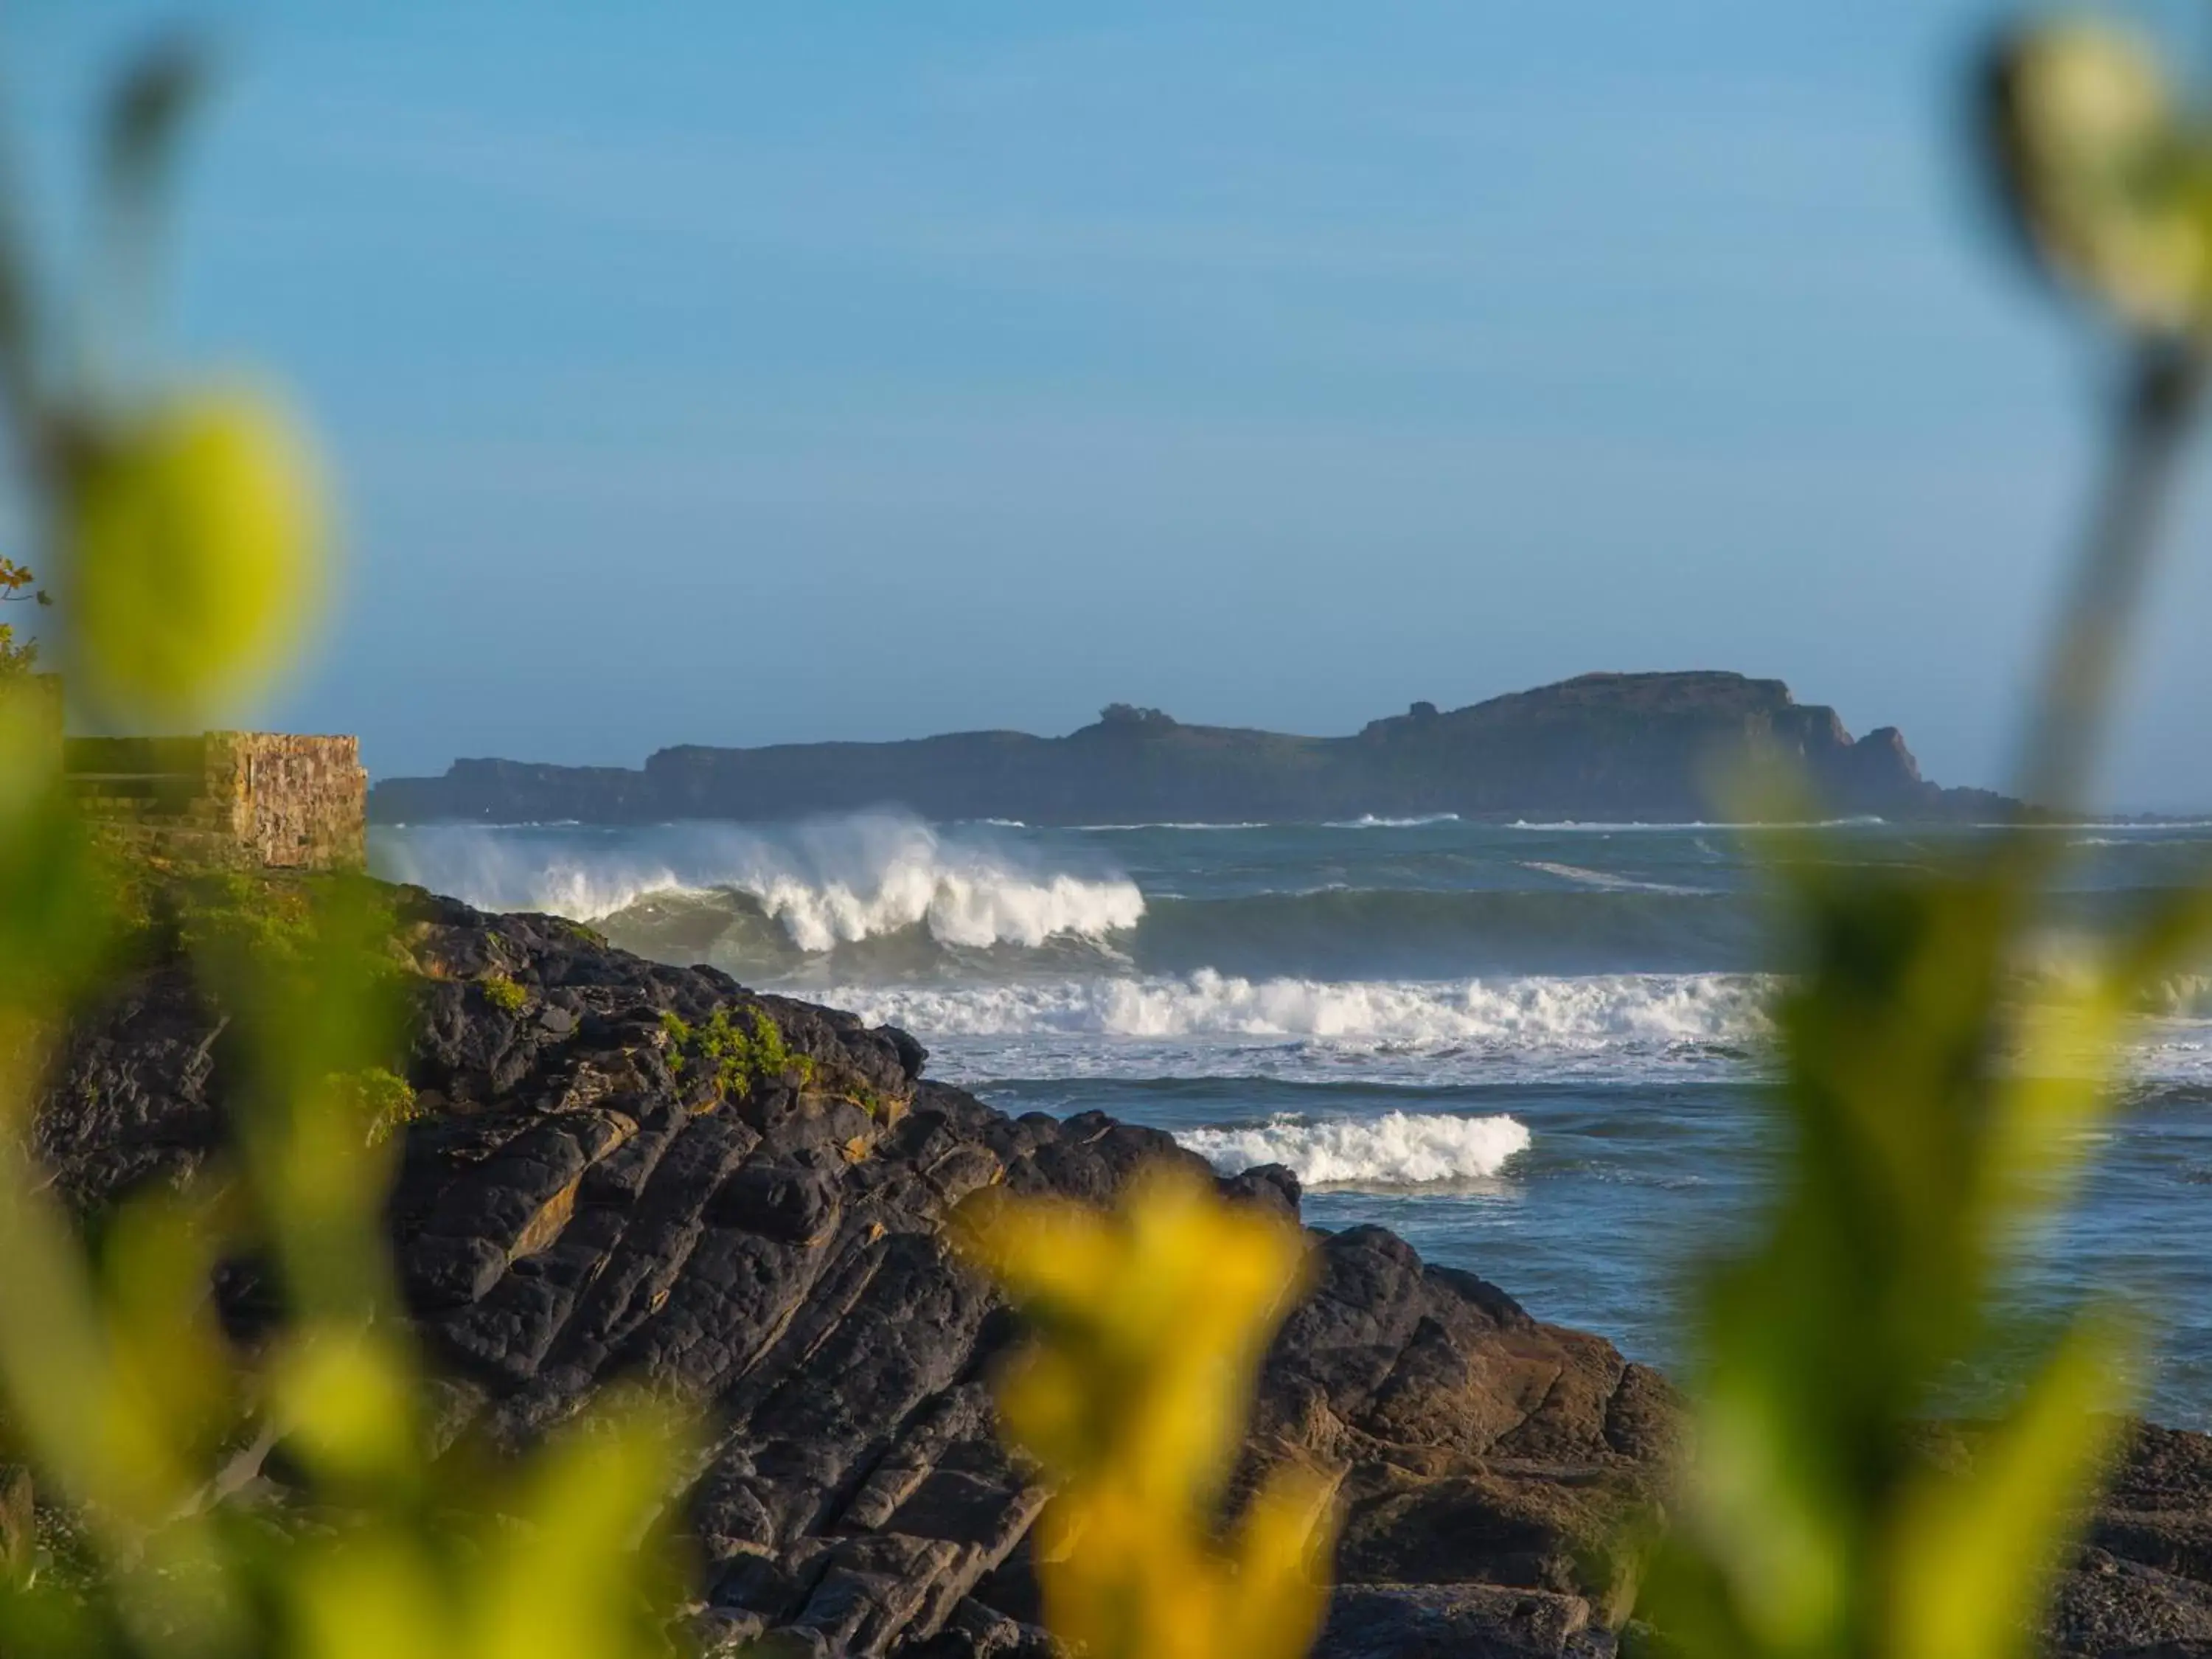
x: 743, y: 372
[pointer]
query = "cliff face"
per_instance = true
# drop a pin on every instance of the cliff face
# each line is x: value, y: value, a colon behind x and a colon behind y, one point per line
x: 574, y: 1211
x: 1644, y: 747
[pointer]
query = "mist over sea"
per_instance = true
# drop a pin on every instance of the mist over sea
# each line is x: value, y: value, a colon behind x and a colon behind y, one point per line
x: 1533, y: 1049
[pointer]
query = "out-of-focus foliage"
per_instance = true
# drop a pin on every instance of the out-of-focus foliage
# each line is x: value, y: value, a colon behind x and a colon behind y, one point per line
x: 187, y: 532
x: 1936, y: 1103
x: 195, y: 541
x: 1937, y: 1096
x: 1131, y: 1398
x: 2110, y: 183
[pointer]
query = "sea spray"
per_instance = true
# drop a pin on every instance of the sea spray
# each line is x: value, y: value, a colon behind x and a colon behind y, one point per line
x: 1398, y: 1149
x: 1527, y: 1012
x: 825, y: 883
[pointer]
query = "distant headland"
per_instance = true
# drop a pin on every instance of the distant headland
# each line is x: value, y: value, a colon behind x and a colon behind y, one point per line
x: 1613, y: 746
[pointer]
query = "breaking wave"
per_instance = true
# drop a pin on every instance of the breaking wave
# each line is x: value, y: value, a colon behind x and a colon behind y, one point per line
x: 768, y: 902
x: 825, y: 883
x: 1601, y: 1010
x: 2178, y: 996
x: 1398, y: 1149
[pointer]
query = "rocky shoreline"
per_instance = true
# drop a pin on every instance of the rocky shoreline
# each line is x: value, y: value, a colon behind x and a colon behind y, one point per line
x: 572, y: 1209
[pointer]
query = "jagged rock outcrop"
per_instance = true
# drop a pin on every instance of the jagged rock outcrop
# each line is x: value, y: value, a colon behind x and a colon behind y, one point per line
x: 575, y: 1209
x: 1651, y: 746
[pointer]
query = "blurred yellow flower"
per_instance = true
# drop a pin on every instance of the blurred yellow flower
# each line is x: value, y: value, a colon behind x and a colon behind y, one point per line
x: 1151, y: 1324
x: 195, y: 545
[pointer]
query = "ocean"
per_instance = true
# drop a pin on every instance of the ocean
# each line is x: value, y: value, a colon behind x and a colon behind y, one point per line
x: 1535, y: 1050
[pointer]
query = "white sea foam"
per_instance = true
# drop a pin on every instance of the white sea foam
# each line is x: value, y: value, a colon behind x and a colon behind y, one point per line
x: 2182, y: 996
x: 1398, y: 1149
x: 1123, y: 829
x: 1606, y: 879
x: 1369, y: 821
x: 1605, y: 827
x: 1577, y: 1011
x: 828, y: 882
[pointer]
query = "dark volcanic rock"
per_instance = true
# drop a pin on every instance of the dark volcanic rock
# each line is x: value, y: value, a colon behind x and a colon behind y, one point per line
x: 1600, y: 745
x: 578, y: 1211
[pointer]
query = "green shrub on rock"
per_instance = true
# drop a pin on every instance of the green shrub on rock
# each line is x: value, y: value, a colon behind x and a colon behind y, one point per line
x: 384, y: 1100
x: 502, y: 993
x: 735, y: 1061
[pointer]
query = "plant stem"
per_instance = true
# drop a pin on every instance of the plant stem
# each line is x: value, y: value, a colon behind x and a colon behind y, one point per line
x: 2160, y: 410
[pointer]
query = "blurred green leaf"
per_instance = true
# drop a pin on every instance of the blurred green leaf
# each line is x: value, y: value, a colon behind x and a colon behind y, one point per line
x: 189, y: 533
x: 1968, y: 1556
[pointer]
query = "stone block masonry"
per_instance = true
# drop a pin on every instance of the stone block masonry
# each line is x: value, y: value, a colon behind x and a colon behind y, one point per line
x: 230, y: 799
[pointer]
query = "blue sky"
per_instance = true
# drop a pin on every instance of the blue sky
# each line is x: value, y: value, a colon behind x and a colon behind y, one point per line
x: 736, y: 373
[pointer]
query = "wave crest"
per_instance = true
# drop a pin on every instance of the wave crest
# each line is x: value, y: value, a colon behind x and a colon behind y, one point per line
x: 827, y: 883
x: 1608, y: 880
x: 1398, y: 1149
x: 1369, y: 821
x: 1600, y: 1009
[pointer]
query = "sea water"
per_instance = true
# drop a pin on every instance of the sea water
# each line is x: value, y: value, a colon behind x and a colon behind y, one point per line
x: 1538, y: 1051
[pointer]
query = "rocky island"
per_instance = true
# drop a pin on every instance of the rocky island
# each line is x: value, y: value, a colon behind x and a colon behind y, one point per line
x: 572, y: 1208
x: 1624, y: 747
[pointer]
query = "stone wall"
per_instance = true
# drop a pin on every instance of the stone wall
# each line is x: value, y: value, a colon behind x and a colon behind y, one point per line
x: 235, y: 799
